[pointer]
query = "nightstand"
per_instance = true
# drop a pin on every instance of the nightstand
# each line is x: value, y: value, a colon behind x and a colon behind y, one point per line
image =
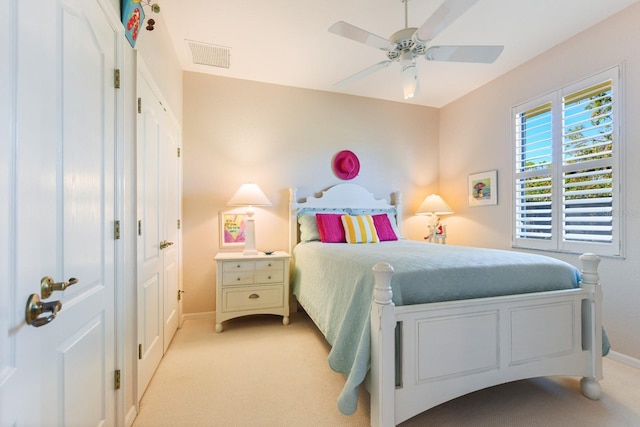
x: 251, y: 284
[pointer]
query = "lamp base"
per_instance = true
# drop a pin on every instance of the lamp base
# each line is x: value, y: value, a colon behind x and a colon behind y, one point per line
x: 250, y: 237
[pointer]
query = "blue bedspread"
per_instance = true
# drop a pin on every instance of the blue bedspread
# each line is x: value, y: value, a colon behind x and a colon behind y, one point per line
x: 334, y: 284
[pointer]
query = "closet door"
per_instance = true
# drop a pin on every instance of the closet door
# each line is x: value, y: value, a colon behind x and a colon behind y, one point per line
x: 158, y: 187
x: 59, y: 109
x: 172, y: 213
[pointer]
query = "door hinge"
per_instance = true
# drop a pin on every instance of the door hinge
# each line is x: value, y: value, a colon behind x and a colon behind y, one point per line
x: 116, y: 380
x: 116, y: 78
x: 139, y: 105
x: 140, y: 351
x: 179, y: 224
x: 140, y: 227
x: 179, y: 151
x: 116, y: 230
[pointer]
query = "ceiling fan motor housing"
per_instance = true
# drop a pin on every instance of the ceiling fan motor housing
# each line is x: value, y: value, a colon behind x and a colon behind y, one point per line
x: 404, y: 41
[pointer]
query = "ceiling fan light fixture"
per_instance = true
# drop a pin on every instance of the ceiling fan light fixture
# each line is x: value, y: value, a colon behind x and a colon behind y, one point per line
x: 409, y: 92
x: 409, y: 74
x: 409, y: 80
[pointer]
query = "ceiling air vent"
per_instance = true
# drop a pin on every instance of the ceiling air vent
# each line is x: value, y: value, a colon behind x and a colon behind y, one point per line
x: 209, y: 54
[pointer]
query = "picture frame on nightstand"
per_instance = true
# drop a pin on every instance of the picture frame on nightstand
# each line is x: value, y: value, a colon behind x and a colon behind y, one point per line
x: 232, y: 229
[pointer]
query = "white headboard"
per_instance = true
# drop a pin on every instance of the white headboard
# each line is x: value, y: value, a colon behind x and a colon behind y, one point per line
x: 336, y: 197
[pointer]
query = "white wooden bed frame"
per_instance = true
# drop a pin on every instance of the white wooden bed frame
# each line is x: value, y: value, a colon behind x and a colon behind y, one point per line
x: 503, y: 339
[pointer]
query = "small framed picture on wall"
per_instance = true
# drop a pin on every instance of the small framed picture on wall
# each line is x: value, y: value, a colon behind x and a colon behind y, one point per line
x: 483, y: 189
x: 232, y: 229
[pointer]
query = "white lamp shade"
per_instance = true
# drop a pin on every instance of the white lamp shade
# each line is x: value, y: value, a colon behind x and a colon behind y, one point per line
x: 249, y: 194
x: 434, y: 204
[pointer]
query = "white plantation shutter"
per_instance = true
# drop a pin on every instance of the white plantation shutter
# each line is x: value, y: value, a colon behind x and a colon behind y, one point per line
x: 587, y: 164
x: 534, y: 165
x: 567, y: 169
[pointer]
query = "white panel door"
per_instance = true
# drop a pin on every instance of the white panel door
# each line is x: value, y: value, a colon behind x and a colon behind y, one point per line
x: 59, y: 60
x: 150, y: 289
x: 158, y: 171
x: 172, y: 211
x: 19, y: 348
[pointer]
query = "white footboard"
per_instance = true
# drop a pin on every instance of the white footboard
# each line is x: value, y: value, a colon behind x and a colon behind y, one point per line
x: 453, y: 348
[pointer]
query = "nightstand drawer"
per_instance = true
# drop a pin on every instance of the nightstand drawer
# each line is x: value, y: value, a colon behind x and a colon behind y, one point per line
x: 253, y: 298
x: 237, y: 278
x: 269, y: 277
x: 270, y: 265
x: 237, y: 266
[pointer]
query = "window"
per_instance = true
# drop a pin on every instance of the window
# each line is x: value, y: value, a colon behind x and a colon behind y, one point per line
x: 568, y: 168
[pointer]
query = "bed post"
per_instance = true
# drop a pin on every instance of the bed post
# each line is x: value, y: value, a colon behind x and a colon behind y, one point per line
x: 396, y: 200
x: 592, y: 324
x: 383, y: 324
x: 293, y: 219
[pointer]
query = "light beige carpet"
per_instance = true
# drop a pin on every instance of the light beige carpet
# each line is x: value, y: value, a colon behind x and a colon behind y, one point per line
x: 260, y: 373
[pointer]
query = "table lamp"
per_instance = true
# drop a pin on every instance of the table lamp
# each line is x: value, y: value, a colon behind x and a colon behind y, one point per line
x: 433, y: 205
x: 249, y: 195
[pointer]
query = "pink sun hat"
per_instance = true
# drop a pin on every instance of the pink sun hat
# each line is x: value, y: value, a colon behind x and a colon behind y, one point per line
x: 346, y: 165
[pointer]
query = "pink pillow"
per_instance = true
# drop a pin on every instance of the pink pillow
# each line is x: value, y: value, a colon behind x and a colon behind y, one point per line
x: 330, y: 228
x: 383, y: 227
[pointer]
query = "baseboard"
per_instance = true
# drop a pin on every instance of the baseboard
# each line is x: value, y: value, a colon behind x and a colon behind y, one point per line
x: 201, y: 315
x: 131, y: 416
x: 623, y: 358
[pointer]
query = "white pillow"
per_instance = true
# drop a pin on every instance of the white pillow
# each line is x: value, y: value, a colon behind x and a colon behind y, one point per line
x: 308, y: 227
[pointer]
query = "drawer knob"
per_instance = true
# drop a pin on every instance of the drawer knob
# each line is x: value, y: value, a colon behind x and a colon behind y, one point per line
x: 269, y: 265
x: 238, y: 266
x: 269, y: 277
x: 254, y: 296
x: 237, y: 279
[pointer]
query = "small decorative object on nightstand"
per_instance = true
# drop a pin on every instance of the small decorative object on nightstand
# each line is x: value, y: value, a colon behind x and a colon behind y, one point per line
x: 251, y: 284
x: 440, y: 236
x: 433, y: 206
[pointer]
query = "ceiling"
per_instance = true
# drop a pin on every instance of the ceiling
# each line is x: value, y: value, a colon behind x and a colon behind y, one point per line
x: 286, y: 42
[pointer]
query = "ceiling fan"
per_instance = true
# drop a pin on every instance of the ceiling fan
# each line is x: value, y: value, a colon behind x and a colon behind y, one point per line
x: 405, y: 45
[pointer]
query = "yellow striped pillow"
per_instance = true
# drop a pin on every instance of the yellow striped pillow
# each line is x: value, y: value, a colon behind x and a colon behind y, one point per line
x: 359, y: 229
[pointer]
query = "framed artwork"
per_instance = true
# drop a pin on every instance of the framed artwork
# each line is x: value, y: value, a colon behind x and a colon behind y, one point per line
x: 232, y: 229
x: 483, y: 189
x: 132, y: 20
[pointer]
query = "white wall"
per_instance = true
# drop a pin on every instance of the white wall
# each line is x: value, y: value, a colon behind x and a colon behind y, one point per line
x: 475, y: 136
x: 237, y: 131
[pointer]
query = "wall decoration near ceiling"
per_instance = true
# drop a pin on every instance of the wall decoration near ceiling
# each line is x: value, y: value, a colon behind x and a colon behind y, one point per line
x: 133, y: 17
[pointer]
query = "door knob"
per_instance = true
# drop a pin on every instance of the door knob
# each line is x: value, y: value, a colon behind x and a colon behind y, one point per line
x: 35, y: 308
x: 164, y: 244
x: 47, y: 286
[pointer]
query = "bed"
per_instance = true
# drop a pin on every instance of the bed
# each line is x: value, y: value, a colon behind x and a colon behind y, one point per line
x: 416, y: 341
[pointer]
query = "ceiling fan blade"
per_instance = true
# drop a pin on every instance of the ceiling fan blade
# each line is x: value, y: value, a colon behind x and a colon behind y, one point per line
x: 478, y: 54
x: 369, y: 70
x: 352, y: 32
x: 448, y: 12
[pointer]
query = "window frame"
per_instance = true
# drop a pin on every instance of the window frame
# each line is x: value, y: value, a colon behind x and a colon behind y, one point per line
x: 556, y: 243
